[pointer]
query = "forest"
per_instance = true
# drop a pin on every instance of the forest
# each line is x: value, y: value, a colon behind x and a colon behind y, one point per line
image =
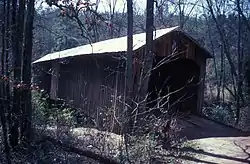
x: 37, y: 129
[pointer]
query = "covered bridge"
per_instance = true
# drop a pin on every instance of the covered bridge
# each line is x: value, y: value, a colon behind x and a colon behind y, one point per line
x: 92, y: 76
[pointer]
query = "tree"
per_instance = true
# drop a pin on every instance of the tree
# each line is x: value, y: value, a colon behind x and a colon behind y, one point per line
x: 15, y: 87
x: 221, y: 18
x: 129, y: 69
x: 84, y: 14
x: 16, y: 37
x: 26, y: 74
x: 148, y: 57
x: 4, y: 36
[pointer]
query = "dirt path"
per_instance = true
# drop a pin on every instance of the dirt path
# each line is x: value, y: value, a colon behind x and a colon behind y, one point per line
x: 213, y: 143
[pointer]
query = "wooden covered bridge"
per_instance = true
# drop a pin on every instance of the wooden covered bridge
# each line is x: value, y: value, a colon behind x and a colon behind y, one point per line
x: 92, y: 76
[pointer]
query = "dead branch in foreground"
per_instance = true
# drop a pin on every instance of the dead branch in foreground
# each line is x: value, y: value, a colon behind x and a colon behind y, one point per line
x: 72, y: 149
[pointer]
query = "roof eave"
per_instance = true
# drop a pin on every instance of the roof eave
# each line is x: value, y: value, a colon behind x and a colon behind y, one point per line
x: 82, y: 55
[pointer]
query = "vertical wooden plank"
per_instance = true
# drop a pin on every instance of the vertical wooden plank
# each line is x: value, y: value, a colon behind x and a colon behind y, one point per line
x: 168, y: 46
x: 165, y: 44
x: 171, y: 44
x: 188, y: 50
x: 191, y: 51
x: 78, y: 89
x: 162, y: 52
x: 54, y: 79
x: 201, y: 86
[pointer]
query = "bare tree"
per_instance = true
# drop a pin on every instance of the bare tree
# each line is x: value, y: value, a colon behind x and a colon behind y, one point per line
x: 129, y: 69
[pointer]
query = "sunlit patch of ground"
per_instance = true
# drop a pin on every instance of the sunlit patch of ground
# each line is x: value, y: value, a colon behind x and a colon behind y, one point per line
x: 213, y: 143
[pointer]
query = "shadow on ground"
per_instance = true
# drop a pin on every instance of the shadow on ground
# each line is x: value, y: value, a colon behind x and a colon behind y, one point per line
x: 217, y: 156
x: 194, y: 127
x: 212, y: 142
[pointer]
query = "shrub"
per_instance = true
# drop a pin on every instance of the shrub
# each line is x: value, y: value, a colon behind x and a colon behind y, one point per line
x: 50, y: 112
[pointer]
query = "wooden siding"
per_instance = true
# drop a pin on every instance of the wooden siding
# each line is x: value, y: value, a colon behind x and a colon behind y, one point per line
x: 94, y: 85
x: 202, y: 61
x: 54, y: 79
x: 41, y: 76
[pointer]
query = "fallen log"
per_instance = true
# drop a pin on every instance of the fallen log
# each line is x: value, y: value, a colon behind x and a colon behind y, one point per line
x: 71, y: 149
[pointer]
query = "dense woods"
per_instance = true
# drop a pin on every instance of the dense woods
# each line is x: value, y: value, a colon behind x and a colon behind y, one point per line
x: 16, y: 57
x: 30, y: 29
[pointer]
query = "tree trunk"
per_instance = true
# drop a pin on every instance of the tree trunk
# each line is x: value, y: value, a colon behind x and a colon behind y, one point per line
x: 13, y: 137
x: 240, y: 64
x: 16, y: 56
x: 7, y: 74
x: 221, y: 79
x: 2, y: 87
x: 26, y: 75
x: 148, y: 56
x: 181, y: 14
x: 129, y: 76
x: 4, y: 124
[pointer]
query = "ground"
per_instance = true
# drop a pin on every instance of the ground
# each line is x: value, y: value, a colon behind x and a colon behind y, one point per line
x: 208, y: 142
x: 213, y: 143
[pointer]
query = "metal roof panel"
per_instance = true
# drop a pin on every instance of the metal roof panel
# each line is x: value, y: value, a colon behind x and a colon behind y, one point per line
x: 106, y: 46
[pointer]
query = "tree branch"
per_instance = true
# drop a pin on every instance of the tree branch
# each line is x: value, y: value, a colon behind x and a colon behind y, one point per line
x: 72, y: 149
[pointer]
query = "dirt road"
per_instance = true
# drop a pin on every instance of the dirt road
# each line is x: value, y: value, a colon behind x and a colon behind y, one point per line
x: 213, y: 143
